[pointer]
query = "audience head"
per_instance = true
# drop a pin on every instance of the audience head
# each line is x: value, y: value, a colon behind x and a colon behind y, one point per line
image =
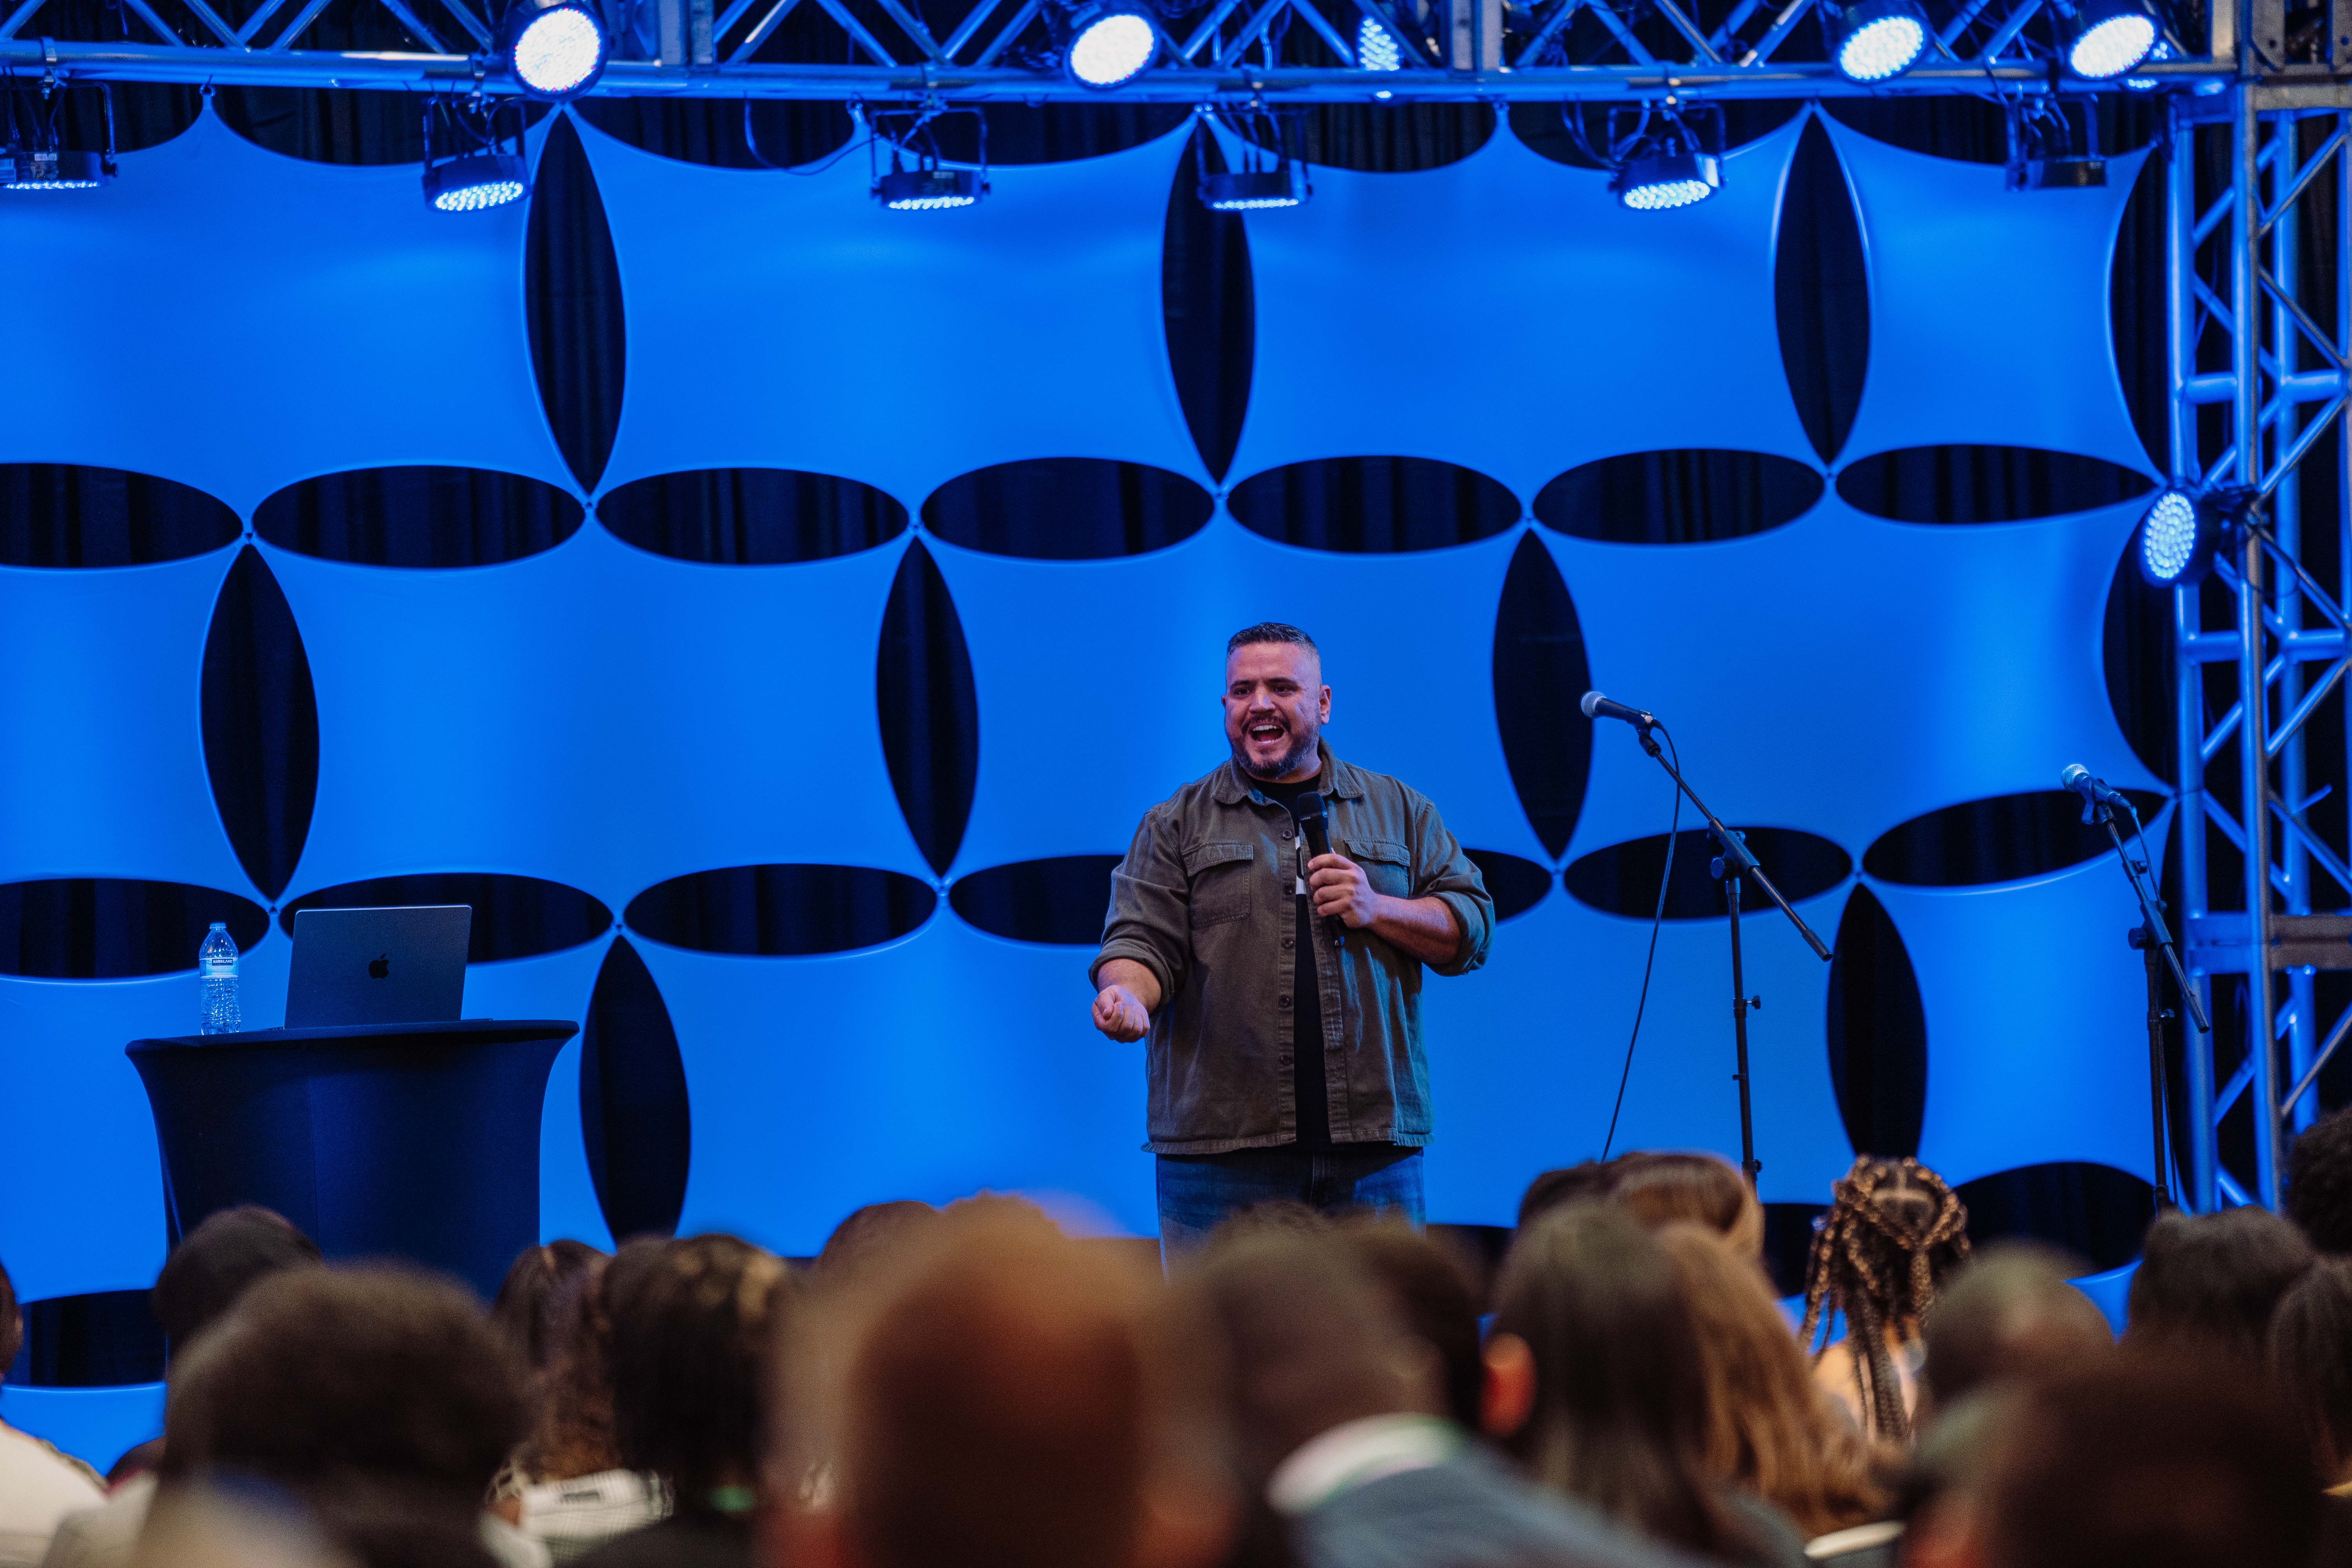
x: 1659, y: 1189
x: 2319, y: 1181
x: 381, y: 1396
x: 692, y: 1320
x: 1892, y: 1231
x: 996, y: 1394
x: 2136, y: 1462
x: 867, y: 1237
x: 528, y: 1295
x: 571, y: 1429
x: 2311, y: 1363
x: 2010, y: 1313
x: 2211, y: 1282
x: 1595, y: 1376
x: 1584, y: 1182
x: 214, y: 1264
x: 1433, y: 1297
x: 1767, y: 1425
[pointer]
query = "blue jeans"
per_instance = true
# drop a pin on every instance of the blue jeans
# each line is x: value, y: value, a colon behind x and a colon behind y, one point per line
x: 1197, y: 1192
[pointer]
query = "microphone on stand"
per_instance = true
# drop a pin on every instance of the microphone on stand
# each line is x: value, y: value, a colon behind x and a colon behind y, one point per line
x: 1315, y: 826
x: 2093, y: 790
x: 1596, y: 706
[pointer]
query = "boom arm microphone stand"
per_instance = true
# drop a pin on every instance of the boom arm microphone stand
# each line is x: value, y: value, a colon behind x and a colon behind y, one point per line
x: 1726, y: 866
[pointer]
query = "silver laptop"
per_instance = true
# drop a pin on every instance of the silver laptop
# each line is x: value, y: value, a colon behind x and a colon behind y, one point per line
x: 378, y: 966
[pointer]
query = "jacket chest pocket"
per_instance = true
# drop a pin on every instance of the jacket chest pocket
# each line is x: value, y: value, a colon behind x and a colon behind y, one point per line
x: 1386, y: 865
x: 1221, y: 881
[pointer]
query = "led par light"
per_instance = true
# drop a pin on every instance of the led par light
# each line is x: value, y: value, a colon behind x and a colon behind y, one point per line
x: 1659, y: 177
x: 477, y: 181
x: 1879, y: 39
x: 1376, y: 48
x: 554, y: 49
x: 1108, y: 42
x: 2180, y: 532
x: 33, y: 169
x: 2108, y: 38
x: 929, y: 190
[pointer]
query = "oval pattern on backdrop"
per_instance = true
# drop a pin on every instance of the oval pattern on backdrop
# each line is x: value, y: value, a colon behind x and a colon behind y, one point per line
x: 2096, y: 1212
x: 1679, y: 498
x: 1373, y: 506
x: 1061, y: 899
x: 422, y: 516
x: 2003, y: 839
x: 1876, y: 1030
x: 260, y: 723
x: 1622, y: 880
x: 1067, y: 508
x: 70, y: 514
x: 781, y: 912
x: 1515, y: 885
x: 109, y: 928
x: 634, y: 1117
x: 751, y: 517
x: 105, y: 1339
x: 1540, y: 675
x: 1964, y: 484
x: 514, y: 917
x: 928, y: 708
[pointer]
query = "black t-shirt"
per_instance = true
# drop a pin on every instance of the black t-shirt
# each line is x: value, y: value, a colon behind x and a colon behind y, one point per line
x: 1306, y: 1002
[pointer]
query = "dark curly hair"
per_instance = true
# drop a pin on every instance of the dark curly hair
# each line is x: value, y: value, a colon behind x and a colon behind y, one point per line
x: 2210, y: 1283
x: 1893, y: 1230
x: 2319, y: 1182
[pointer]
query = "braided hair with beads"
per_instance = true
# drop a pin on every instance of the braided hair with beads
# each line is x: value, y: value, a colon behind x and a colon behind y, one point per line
x: 1894, y: 1229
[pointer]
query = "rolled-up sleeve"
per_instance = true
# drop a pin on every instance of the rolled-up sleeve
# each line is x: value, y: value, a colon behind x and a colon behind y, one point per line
x: 1442, y: 869
x: 1150, y: 920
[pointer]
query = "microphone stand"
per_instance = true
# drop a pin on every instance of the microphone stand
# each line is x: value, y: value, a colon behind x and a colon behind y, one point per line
x: 2151, y: 937
x: 1726, y: 866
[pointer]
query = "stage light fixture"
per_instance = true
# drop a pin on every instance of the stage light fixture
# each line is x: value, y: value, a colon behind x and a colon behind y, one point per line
x: 1106, y: 43
x: 32, y: 159
x: 1661, y: 178
x: 918, y: 179
x: 2181, y: 532
x: 2050, y: 149
x: 1880, y: 39
x: 1270, y: 175
x: 2162, y: 52
x: 2107, y: 38
x: 477, y: 181
x: 1377, y: 48
x: 555, y: 49
x: 929, y: 190
x: 1659, y: 156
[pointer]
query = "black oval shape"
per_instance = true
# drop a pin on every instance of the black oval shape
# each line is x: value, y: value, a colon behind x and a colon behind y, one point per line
x: 2002, y: 839
x: 1373, y: 506
x: 145, y: 113
x: 723, y: 132
x: 260, y: 723
x: 1515, y: 885
x: 69, y: 515
x: 1877, y: 1033
x: 781, y: 912
x: 106, y: 1339
x: 1820, y: 292
x: 1678, y: 497
x: 2096, y: 1212
x: 110, y: 928
x: 1964, y: 484
x: 1059, y: 900
x: 1067, y: 508
x: 929, y: 707
x: 418, y: 516
x: 635, y: 1116
x: 1789, y: 1243
x: 1540, y: 675
x: 514, y: 917
x: 1969, y: 129
x: 1208, y: 307
x: 571, y: 301
x: 1622, y: 880
x: 1542, y: 127
x: 751, y: 517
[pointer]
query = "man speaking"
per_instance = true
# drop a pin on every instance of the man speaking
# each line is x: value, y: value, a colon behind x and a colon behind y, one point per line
x: 1279, y: 989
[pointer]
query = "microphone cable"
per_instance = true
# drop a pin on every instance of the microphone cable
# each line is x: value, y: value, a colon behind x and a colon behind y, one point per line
x: 1666, y: 878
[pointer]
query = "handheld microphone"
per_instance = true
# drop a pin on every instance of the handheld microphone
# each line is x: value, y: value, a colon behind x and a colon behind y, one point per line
x: 1596, y: 706
x: 2078, y: 778
x: 1315, y: 826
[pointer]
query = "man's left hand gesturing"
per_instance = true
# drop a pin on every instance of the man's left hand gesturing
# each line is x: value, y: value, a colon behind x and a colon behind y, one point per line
x: 1338, y: 886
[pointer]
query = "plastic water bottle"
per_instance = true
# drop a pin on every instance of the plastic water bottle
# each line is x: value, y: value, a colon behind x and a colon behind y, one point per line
x: 216, y: 966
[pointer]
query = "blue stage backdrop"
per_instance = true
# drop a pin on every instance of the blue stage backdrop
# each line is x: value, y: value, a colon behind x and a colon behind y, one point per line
x: 785, y: 732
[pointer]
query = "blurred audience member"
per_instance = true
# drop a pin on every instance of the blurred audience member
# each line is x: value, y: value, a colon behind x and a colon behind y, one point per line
x: 2319, y: 1182
x: 2311, y: 1365
x: 2142, y: 1462
x: 691, y: 1324
x: 868, y: 1236
x: 236, y: 1524
x: 528, y: 1295
x: 380, y: 1397
x: 213, y: 1264
x: 2010, y: 1313
x: 2209, y: 1283
x: 995, y: 1396
x: 1770, y: 1428
x: 1596, y: 1382
x: 38, y: 1486
x: 1586, y: 1181
x: 1659, y: 1189
x: 1433, y: 1293
x: 1338, y: 1414
x: 570, y: 1491
x: 1892, y: 1231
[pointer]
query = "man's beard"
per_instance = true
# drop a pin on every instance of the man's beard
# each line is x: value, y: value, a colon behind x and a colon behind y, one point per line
x: 1301, y: 750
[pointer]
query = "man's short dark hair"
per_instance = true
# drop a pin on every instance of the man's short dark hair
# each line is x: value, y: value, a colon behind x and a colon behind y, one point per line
x: 2011, y: 1313
x: 216, y: 1262
x: 2211, y: 1282
x: 1271, y: 631
x: 2319, y: 1182
x: 2311, y: 1361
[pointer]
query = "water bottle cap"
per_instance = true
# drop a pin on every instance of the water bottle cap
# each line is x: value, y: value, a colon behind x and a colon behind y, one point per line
x: 220, y: 925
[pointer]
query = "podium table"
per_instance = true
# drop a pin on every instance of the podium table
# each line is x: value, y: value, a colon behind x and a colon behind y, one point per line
x: 411, y: 1140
